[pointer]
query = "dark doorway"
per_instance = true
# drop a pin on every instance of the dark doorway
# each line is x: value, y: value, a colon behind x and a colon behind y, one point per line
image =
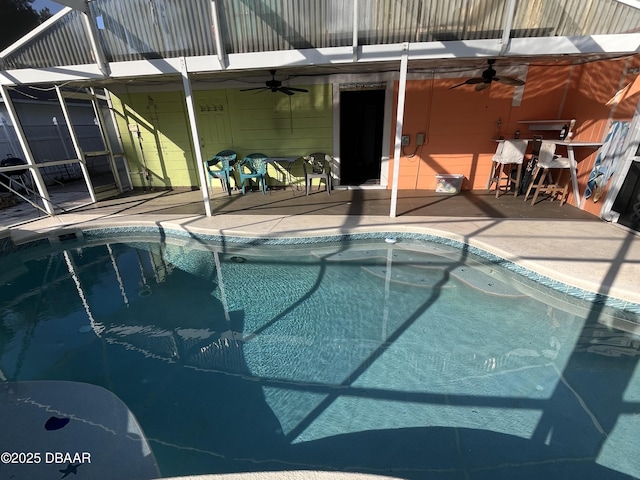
x: 627, y: 202
x: 361, y: 126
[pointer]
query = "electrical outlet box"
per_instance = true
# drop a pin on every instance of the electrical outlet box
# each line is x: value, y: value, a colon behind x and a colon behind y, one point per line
x: 420, y: 139
x: 405, y: 140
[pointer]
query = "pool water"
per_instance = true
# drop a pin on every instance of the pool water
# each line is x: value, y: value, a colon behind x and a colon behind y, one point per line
x: 415, y: 360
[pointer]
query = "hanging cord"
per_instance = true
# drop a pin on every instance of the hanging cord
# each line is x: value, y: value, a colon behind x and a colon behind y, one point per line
x: 428, y: 123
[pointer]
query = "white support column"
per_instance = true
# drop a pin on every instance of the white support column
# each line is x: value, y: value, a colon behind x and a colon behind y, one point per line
x: 355, y: 30
x: 195, y: 137
x: 114, y: 121
x: 506, y: 28
x: 24, y: 144
x: 76, y: 145
x: 105, y: 138
x: 402, y: 84
x: 92, y: 31
x: 215, y: 19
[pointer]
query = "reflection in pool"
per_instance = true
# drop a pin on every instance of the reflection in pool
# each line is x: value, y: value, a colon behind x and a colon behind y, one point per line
x: 414, y: 359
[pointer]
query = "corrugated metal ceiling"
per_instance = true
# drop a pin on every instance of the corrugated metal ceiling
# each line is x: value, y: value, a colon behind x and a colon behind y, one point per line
x: 155, y: 29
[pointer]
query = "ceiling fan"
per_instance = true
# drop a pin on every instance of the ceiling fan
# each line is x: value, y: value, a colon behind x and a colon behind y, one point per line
x: 276, y: 86
x: 488, y: 76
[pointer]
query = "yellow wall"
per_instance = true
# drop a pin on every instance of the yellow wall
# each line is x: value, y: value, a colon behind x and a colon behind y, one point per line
x: 272, y: 123
x: 166, y: 142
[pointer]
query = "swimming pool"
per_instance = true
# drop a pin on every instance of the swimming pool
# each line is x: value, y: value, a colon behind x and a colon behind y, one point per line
x: 417, y: 359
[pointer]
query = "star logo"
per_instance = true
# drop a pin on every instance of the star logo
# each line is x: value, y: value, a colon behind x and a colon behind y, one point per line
x: 71, y: 468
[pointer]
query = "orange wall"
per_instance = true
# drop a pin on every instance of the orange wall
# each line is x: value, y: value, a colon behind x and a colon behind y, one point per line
x: 461, y: 124
x: 600, y: 93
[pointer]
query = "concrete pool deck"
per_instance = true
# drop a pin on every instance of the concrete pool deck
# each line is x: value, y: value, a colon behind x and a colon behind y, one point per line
x: 561, y: 242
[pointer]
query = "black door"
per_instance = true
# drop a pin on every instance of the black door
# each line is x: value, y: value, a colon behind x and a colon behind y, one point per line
x: 361, y: 125
x: 627, y: 202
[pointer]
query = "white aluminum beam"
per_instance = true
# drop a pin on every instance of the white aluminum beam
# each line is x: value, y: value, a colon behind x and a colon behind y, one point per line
x: 367, y: 54
x: 77, y: 95
x: 215, y: 19
x: 33, y: 76
x: 195, y: 138
x: 34, y: 33
x: 630, y: 3
x: 98, y: 54
x: 105, y: 139
x: 114, y: 122
x: 508, y: 22
x: 355, y: 31
x: 627, y: 43
x: 144, y: 68
x: 76, y: 145
x: 26, y: 151
x: 402, y: 85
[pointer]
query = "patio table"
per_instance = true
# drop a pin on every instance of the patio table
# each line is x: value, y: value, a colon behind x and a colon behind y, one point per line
x: 570, y: 145
x: 286, y: 162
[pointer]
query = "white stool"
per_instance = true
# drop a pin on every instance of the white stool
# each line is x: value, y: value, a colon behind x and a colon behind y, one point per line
x: 509, y: 152
x: 546, y: 184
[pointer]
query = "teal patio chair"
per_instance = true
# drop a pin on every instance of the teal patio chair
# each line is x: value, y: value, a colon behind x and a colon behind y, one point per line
x: 223, y: 168
x: 254, y: 166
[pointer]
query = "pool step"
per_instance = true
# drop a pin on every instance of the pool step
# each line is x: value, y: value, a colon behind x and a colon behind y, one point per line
x: 426, y: 268
x: 425, y: 278
x: 430, y: 277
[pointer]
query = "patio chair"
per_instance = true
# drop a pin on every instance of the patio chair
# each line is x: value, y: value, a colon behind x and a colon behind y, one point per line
x: 509, y: 152
x: 254, y: 166
x: 317, y: 165
x: 543, y: 181
x: 224, y: 160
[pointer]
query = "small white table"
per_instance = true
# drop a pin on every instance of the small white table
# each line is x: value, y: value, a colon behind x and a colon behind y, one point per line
x: 289, y: 161
x: 572, y: 163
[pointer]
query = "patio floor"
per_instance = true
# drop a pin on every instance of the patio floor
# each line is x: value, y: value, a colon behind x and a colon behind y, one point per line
x: 562, y: 242
x: 294, y: 202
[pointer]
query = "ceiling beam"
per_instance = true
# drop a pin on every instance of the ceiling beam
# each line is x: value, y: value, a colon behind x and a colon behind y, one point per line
x: 520, y: 48
x: 508, y: 22
x: 34, y: 33
x: 630, y: 3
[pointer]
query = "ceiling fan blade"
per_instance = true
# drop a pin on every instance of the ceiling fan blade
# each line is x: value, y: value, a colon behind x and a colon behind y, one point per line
x: 285, y: 90
x: 297, y: 89
x: 482, y: 86
x: 516, y: 82
x: 256, y: 88
x: 469, y: 81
